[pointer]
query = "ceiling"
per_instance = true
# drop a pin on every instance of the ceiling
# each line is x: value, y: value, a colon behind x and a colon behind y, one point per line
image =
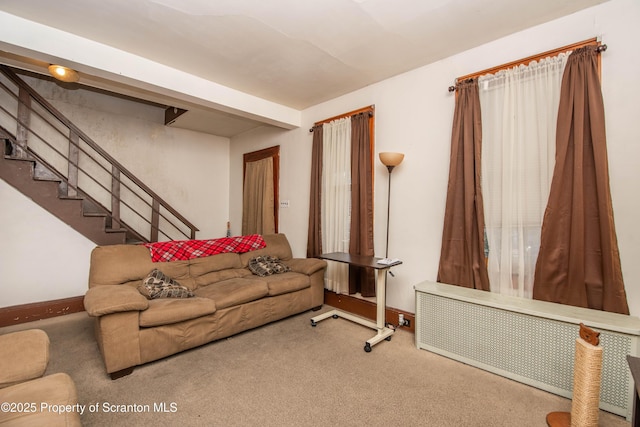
x: 291, y: 54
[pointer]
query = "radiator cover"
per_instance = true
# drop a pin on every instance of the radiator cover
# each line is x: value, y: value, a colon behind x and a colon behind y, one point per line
x: 529, y: 341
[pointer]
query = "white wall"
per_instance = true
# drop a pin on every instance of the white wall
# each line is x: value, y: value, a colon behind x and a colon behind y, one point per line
x: 43, y: 259
x: 414, y: 114
x: 295, y: 160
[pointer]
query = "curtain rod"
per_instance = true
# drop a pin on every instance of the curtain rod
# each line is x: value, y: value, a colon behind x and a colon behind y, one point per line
x: 600, y: 48
x: 369, y: 110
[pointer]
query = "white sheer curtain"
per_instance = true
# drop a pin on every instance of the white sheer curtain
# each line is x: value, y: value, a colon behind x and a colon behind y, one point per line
x: 519, y: 113
x: 336, y: 199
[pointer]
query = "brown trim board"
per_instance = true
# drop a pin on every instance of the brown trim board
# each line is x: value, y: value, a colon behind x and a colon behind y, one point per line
x: 367, y: 309
x: 40, y: 310
x: 43, y: 310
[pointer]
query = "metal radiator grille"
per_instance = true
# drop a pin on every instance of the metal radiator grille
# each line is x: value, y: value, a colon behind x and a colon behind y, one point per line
x: 535, y: 350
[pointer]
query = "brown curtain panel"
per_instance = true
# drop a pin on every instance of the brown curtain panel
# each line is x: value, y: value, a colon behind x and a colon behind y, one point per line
x: 361, y: 279
x: 314, y: 238
x: 462, y: 260
x: 578, y: 263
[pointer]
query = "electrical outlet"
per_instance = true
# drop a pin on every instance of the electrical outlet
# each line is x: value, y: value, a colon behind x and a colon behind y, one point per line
x: 402, y: 321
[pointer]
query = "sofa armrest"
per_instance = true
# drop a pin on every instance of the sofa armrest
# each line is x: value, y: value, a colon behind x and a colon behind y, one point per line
x: 306, y: 266
x: 106, y: 299
x: 24, y: 356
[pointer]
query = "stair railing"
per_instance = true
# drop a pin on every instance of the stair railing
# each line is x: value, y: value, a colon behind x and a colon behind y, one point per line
x: 131, y: 203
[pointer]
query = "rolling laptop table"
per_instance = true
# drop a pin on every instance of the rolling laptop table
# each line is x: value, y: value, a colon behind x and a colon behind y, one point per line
x: 381, y: 269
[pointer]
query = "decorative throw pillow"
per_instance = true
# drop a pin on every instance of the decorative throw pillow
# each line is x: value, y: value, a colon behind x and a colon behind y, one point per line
x: 267, y: 265
x: 159, y: 285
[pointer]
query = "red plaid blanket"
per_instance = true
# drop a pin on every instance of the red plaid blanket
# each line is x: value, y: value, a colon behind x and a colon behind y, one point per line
x: 175, y: 250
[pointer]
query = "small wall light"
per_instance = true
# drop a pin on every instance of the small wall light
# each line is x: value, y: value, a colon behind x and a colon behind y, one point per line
x: 64, y: 74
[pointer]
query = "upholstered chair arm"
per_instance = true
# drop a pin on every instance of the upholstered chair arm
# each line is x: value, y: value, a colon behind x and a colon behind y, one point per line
x: 24, y: 356
x: 306, y: 266
x: 107, y: 299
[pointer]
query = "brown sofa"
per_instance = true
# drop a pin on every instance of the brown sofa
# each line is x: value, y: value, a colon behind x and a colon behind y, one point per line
x: 228, y: 298
x: 28, y: 398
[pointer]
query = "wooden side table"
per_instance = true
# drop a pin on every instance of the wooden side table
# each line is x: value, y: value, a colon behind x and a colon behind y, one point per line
x: 382, y: 332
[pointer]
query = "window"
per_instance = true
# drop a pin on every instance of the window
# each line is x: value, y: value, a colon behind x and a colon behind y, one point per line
x: 519, y: 105
x: 341, y: 211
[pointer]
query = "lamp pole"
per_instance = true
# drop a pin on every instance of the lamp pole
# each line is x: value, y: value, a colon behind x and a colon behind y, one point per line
x: 390, y: 160
x: 386, y: 254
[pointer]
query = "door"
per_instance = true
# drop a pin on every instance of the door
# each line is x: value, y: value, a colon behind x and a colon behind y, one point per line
x: 260, y: 191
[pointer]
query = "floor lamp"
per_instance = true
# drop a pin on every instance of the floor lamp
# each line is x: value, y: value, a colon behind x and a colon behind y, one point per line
x: 390, y: 160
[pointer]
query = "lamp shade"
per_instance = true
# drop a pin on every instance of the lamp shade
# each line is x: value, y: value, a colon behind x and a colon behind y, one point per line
x: 64, y: 74
x: 391, y: 159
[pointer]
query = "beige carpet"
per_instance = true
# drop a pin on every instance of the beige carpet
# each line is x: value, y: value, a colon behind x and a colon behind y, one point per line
x: 292, y: 374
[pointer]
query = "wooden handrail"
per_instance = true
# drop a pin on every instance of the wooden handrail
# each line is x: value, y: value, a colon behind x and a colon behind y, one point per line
x: 78, y: 133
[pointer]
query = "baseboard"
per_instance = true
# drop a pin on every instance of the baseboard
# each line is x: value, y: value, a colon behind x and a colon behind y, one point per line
x: 367, y: 309
x: 40, y: 310
x: 43, y: 310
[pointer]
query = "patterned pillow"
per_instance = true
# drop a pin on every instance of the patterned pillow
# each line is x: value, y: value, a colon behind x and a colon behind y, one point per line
x: 159, y: 285
x: 267, y: 265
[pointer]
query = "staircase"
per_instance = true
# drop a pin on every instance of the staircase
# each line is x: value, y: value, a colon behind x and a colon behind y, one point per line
x: 73, y: 178
x: 47, y: 190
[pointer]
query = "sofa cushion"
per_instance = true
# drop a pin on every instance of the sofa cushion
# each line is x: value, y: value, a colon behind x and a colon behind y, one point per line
x: 277, y: 245
x: 166, y: 311
x: 124, y: 264
x: 201, y: 266
x: 266, y: 265
x: 219, y: 276
x: 231, y: 292
x: 159, y: 285
x: 287, y: 282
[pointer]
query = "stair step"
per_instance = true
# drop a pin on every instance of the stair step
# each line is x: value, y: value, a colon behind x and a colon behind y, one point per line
x: 18, y: 158
x: 42, y: 173
x: 24, y: 158
x: 115, y: 230
x: 95, y: 214
x: 89, y: 207
x: 19, y: 174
